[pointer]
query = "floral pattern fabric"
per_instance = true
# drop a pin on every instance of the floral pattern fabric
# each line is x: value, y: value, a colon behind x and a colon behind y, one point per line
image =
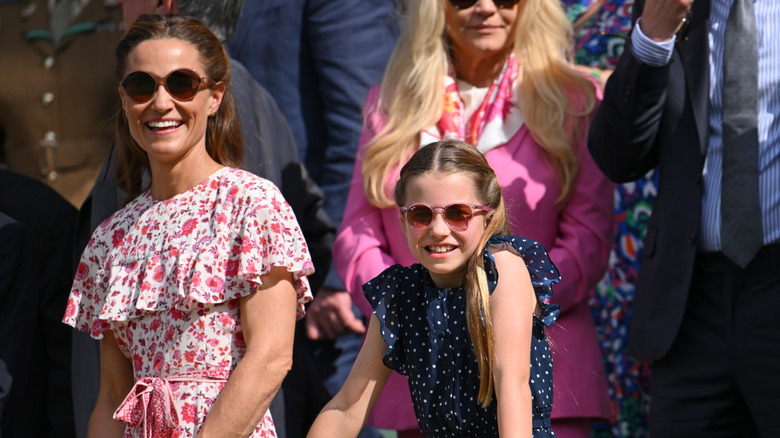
x: 166, y: 278
x: 599, y: 44
x: 493, y: 123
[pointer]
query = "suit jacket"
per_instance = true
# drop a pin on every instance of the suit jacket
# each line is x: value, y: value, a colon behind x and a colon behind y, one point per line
x: 47, y: 409
x: 18, y: 301
x: 577, y: 235
x: 658, y: 116
x: 65, y: 90
x: 319, y: 62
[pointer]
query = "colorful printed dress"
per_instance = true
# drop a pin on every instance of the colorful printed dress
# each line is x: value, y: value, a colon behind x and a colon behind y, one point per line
x: 166, y: 277
x: 599, y: 44
x: 425, y: 330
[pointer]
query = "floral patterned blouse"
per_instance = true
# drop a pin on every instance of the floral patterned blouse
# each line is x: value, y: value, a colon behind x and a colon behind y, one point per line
x: 166, y: 277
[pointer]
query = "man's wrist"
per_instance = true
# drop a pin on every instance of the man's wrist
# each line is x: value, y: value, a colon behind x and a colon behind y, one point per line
x: 647, y: 51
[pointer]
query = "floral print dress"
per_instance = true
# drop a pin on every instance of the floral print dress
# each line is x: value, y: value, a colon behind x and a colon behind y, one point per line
x: 166, y: 278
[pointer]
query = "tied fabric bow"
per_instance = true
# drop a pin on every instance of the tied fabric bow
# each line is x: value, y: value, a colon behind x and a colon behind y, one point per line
x: 150, y: 403
x: 493, y: 123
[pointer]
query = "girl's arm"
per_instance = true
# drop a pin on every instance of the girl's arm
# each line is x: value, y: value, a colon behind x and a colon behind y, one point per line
x: 116, y: 380
x: 512, y: 305
x: 345, y: 415
x: 268, y: 320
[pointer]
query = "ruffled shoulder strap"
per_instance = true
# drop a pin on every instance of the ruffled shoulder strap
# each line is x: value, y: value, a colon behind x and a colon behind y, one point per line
x: 541, y: 269
x: 388, y: 293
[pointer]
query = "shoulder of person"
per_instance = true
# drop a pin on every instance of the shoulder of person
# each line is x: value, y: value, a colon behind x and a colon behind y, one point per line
x: 249, y: 182
x: 507, y: 260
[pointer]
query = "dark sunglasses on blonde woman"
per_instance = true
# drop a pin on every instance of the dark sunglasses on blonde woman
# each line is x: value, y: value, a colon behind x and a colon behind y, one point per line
x: 465, y: 4
x: 457, y: 216
x: 182, y: 85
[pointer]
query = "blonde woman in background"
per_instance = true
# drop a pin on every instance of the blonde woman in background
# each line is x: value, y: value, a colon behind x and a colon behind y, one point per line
x: 495, y: 74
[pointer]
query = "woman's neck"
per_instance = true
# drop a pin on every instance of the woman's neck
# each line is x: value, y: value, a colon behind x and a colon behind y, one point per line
x: 478, y: 71
x: 171, y: 179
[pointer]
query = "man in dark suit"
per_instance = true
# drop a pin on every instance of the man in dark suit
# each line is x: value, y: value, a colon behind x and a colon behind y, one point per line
x: 41, y: 405
x: 705, y: 316
x: 18, y: 300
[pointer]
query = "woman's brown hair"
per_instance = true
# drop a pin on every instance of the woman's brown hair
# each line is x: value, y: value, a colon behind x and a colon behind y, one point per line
x: 223, y: 133
x: 455, y: 156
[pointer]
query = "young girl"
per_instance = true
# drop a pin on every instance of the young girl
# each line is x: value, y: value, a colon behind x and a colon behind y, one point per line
x: 460, y: 332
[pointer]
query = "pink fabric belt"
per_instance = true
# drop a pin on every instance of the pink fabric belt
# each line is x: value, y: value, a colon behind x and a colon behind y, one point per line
x: 150, y: 403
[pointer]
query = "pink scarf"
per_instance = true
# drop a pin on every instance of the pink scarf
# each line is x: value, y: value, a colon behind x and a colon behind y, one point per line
x: 495, y: 121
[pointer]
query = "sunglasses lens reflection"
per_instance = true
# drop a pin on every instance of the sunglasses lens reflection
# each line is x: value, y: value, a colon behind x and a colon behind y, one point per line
x: 182, y: 84
x: 419, y: 216
x: 140, y: 86
x: 458, y: 216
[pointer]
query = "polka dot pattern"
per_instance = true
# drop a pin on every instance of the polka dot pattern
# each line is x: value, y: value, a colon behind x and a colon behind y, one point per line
x: 428, y: 341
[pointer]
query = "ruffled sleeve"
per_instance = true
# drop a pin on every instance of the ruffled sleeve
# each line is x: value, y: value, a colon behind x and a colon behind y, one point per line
x: 271, y: 237
x: 209, y: 245
x: 541, y: 269
x: 386, y: 294
x: 88, y: 293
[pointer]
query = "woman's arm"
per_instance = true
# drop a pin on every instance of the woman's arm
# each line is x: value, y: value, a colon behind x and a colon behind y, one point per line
x: 116, y: 380
x: 584, y: 236
x: 345, y: 415
x: 268, y: 320
x: 512, y: 305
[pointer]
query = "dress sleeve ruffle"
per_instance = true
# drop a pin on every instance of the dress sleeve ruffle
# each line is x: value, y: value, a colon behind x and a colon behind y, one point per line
x: 541, y: 269
x: 384, y: 295
x: 113, y: 285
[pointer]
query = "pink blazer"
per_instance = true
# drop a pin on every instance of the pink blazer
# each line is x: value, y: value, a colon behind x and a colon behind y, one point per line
x: 577, y: 236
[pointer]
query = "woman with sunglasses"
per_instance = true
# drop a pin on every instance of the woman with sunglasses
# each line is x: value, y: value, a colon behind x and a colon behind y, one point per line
x: 465, y: 322
x: 195, y: 285
x: 496, y: 74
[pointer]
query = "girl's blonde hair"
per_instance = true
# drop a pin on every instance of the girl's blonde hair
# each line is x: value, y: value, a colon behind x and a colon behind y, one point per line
x: 411, y: 96
x: 454, y: 156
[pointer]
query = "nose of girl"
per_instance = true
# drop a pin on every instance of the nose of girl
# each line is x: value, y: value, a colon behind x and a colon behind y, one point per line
x: 438, y: 227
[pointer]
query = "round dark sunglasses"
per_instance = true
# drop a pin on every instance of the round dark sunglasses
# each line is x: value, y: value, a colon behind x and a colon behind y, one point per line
x: 456, y: 216
x: 465, y: 4
x: 181, y: 84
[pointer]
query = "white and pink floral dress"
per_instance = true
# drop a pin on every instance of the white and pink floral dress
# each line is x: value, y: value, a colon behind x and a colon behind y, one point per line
x: 166, y: 277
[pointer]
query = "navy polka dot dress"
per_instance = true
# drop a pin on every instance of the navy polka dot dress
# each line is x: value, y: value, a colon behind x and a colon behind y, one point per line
x: 428, y: 341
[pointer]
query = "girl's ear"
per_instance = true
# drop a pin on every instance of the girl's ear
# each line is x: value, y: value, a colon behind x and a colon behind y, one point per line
x: 488, y: 219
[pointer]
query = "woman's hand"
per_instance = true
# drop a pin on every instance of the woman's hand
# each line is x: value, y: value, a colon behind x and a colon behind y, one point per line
x: 268, y: 321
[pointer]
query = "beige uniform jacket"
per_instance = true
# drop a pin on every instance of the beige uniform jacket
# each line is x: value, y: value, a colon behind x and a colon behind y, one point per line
x: 58, y: 101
